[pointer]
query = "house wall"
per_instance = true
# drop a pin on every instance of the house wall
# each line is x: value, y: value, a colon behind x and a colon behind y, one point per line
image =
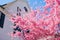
x: 7, y: 24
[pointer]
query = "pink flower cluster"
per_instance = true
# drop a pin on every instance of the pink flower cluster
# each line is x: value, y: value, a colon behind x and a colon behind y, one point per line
x: 39, y: 25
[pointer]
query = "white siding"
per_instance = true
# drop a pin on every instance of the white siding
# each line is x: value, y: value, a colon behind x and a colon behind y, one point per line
x: 7, y: 24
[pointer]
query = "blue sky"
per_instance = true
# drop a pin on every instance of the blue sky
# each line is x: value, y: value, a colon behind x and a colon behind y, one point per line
x: 5, y: 1
x: 36, y: 3
x: 33, y: 3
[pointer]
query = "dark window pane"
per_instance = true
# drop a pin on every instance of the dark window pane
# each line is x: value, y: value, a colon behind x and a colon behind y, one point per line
x: 25, y: 9
x: 18, y: 11
x: 2, y: 17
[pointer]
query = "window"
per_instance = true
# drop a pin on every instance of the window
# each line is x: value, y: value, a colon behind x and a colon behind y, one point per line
x: 2, y: 17
x: 25, y: 9
x: 18, y: 11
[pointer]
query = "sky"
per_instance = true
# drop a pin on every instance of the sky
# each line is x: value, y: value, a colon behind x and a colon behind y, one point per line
x: 32, y: 3
x: 5, y: 1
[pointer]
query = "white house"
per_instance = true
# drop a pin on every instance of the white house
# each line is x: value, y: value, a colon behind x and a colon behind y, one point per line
x: 18, y: 7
